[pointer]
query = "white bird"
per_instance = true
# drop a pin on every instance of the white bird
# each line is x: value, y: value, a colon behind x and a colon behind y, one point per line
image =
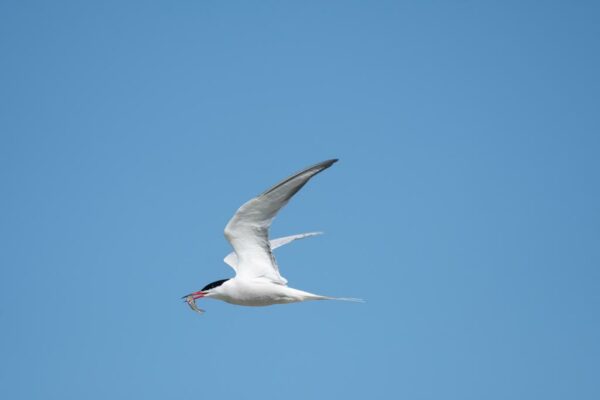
x: 257, y: 280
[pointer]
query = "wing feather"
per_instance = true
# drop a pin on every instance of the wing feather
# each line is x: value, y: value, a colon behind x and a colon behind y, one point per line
x: 231, y: 258
x: 248, y: 229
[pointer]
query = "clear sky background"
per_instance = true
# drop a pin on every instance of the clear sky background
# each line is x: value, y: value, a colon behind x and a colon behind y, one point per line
x: 465, y: 207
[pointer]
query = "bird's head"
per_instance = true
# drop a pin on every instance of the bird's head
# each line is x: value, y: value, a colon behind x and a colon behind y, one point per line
x: 206, y: 291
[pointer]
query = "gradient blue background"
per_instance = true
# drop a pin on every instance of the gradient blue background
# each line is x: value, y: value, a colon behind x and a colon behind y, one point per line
x: 465, y: 207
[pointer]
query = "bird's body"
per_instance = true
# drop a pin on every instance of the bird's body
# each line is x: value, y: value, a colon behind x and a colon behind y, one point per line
x: 259, y: 292
x: 257, y: 281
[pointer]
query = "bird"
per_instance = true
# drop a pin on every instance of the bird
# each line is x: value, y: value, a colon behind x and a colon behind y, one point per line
x: 258, y: 281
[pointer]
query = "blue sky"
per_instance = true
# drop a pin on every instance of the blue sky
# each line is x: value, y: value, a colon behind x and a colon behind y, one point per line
x: 464, y: 208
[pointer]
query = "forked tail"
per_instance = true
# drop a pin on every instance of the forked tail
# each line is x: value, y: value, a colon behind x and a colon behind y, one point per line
x: 355, y: 300
x: 317, y: 297
x: 301, y: 295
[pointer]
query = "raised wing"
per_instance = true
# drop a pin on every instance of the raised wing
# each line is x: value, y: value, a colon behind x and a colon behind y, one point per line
x: 232, y: 260
x: 248, y: 230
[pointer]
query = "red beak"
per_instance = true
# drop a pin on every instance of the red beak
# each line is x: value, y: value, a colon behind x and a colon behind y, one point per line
x: 196, y: 295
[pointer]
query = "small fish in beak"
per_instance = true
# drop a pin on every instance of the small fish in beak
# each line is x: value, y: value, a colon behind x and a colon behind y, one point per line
x: 191, y: 301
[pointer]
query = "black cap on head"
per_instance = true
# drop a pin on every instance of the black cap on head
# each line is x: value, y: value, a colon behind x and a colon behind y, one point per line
x: 214, y: 284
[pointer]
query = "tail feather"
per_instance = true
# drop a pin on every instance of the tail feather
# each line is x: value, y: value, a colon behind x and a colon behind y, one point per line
x: 352, y: 299
x: 301, y: 295
x: 355, y: 300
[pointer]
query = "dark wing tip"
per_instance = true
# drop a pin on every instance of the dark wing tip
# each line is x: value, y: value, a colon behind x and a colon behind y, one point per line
x: 329, y: 163
x: 323, y: 165
x: 320, y: 166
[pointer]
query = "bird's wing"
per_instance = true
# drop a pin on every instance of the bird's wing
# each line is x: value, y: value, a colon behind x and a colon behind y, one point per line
x: 231, y: 259
x: 275, y: 243
x: 248, y: 230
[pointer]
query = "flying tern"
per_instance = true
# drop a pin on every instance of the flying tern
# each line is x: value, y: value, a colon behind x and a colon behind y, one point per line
x: 257, y: 280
